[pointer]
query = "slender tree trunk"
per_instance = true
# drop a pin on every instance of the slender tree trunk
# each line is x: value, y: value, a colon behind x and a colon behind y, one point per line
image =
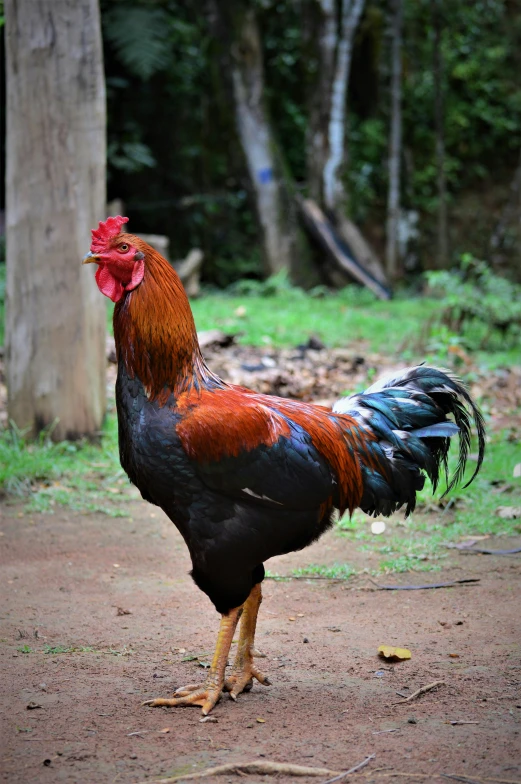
x: 510, y: 219
x: 271, y: 187
x: 322, y: 38
x: 330, y: 42
x: 439, y: 125
x: 395, y: 146
x: 55, y: 194
x: 334, y: 192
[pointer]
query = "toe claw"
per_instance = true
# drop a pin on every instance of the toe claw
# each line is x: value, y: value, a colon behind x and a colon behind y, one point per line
x: 184, y: 691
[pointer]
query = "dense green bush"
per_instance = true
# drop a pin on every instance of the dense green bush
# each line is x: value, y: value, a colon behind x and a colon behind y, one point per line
x: 478, y: 304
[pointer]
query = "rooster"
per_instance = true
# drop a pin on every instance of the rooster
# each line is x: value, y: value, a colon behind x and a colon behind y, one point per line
x: 245, y: 476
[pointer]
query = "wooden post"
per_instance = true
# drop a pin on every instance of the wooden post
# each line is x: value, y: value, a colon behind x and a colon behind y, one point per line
x: 55, y: 321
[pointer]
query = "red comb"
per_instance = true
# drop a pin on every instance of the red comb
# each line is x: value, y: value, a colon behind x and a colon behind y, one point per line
x: 105, y: 232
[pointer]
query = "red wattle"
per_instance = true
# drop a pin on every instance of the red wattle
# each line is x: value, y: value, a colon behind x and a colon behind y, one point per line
x: 137, y: 276
x: 108, y: 284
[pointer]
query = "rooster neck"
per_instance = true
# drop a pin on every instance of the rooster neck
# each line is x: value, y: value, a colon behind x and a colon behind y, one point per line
x: 155, y: 333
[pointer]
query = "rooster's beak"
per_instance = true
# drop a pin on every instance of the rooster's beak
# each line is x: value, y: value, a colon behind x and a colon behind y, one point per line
x: 91, y: 258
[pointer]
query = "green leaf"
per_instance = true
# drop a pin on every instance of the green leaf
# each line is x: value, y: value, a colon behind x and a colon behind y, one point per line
x: 140, y: 37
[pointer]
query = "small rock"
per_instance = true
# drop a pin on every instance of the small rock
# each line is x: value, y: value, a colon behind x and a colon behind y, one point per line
x: 411, y: 720
x: 305, y: 639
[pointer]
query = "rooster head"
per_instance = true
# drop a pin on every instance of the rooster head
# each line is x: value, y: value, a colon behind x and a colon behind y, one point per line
x: 121, y: 264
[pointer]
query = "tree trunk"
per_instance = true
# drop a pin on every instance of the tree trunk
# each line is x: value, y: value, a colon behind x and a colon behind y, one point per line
x: 395, y: 146
x: 243, y: 59
x: 322, y: 37
x: 330, y: 43
x: 55, y: 323
x: 334, y: 192
x: 509, y: 223
x: 442, y: 249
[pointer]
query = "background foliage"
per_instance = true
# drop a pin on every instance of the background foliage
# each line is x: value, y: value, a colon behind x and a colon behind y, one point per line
x: 175, y: 160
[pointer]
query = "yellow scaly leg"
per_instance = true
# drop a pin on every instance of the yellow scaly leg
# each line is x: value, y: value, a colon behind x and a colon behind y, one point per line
x: 208, y: 693
x: 243, y: 670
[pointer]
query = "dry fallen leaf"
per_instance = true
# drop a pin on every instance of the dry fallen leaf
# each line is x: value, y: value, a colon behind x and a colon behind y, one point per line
x: 394, y: 654
x: 454, y: 655
x: 166, y: 729
x: 261, y: 721
x: 509, y: 512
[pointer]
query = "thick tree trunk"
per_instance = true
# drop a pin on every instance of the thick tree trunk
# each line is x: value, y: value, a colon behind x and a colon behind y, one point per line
x: 235, y: 24
x: 395, y: 146
x: 277, y: 226
x: 442, y: 250
x: 55, y: 182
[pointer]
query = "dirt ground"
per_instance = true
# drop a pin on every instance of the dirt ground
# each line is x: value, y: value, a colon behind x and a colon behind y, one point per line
x: 118, y: 592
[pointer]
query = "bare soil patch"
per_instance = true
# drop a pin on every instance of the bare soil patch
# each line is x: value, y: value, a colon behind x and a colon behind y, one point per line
x: 114, y: 596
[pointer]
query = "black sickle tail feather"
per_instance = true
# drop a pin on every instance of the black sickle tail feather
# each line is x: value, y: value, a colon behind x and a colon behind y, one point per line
x: 409, y: 414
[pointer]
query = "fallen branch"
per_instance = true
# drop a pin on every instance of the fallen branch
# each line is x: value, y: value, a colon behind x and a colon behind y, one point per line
x: 351, y: 770
x: 264, y: 767
x: 307, y: 577
x: 483, y: 551
x: 462, y: 777
x: 427, y: 585
x: 419, y: 692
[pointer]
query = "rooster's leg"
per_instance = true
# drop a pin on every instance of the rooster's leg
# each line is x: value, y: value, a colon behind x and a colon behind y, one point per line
x: 243, y: 670
x: 207, y: 694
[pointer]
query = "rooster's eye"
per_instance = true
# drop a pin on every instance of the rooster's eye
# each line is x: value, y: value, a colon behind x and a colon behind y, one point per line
x: 123, y: 248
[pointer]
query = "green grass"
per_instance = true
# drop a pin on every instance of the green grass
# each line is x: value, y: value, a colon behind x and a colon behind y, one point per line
x: 291, y: 317
x: 81, y: 475
x: 336, y: 571
x: 55, y: 650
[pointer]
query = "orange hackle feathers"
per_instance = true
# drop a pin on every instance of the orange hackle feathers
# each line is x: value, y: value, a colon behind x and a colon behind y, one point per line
x: 155, y: 331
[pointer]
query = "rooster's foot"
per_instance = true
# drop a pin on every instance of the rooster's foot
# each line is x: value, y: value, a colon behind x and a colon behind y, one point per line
x: 207, y: 695
x: 242, y: 679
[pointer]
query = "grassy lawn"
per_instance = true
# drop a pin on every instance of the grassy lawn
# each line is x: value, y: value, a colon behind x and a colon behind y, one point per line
x: 88, y: 478
x: 338, y: 319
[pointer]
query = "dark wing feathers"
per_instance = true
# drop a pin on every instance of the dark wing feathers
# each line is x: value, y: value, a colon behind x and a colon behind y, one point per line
x: 408, y: 413
x: 289, y: 474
